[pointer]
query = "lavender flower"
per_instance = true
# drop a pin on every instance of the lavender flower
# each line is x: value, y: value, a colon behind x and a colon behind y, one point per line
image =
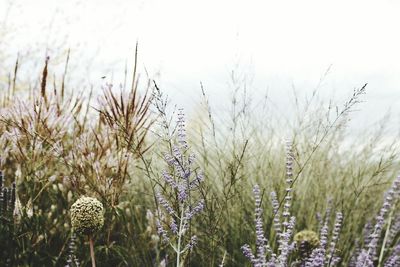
x: 182, y: 185
x: 190, y: 213
x: 161, y: 200
x: 72, y: 260
x: 394, y: 230
x: 168, y: 179
x: 261, y: 241
x: 249, y: 254
x: 284, y: 235
x: 357, y: 251
x: 173, y: 226
x: 275, y: 208
x: 284, y: 242
x: 394, y: 258
x: 182, y: 130
x: 183, y: 193
x: 289, y: 184
x: 192, y: 243
x: 332, y: 259
x: 162, y: 232
x: 260, y: 238
x: 368, y: 229
x: 364, y: 259
x: 367, y: 255
x: 317, y: 257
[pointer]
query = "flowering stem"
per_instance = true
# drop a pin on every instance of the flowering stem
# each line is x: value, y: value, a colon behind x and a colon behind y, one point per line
x: 92, y: 251
x: 178, y: 250
x: 385, y: 238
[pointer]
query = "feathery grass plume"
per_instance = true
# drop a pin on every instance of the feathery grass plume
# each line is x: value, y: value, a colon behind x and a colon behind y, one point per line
x: 180, y: 200
x: 61, y: 145
x: 128, y: 115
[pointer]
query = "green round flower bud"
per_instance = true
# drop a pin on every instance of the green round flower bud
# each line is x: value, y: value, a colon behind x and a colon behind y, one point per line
x: 306, y: 240
x: 87, y: 216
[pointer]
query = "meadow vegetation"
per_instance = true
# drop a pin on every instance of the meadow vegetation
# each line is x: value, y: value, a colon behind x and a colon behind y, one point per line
x: 239, y: 188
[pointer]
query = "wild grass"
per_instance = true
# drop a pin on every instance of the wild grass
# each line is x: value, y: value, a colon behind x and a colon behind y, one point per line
x: 58, y: 144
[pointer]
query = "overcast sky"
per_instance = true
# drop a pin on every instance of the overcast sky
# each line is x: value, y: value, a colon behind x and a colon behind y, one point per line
x: 278, y: 44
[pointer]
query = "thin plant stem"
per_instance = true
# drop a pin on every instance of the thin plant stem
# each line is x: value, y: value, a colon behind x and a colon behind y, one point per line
x: 385, y: 239
x: 92, y: 251
x: 178, y: 250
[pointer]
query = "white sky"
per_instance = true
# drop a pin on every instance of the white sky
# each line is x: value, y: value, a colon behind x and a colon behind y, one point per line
x: 278, y: 43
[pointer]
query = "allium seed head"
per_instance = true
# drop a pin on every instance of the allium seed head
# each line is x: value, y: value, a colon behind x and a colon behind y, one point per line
x: 87, y: 215
x: 307, y: 236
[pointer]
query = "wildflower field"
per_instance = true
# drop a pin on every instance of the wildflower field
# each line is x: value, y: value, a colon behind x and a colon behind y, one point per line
x: 119, y: 176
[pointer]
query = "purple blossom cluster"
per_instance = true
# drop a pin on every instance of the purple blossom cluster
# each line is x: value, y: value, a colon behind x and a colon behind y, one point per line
x: 381, y: 242
x: 275, y: 208
x: 394, y: 258
x: 367, y: 256
x: 285, y: 246
x: 161, y: 231
x: 284, y: 226
x: 192, y: 243
x: 284, y: 230
x: 260, y: 259
x: 191, y: 212
x: 322, y: 256
x: 72, y: 260
x: 289, y: 183
x: 264, y: 255
x: 182, y: 185
x: 332, y: 259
